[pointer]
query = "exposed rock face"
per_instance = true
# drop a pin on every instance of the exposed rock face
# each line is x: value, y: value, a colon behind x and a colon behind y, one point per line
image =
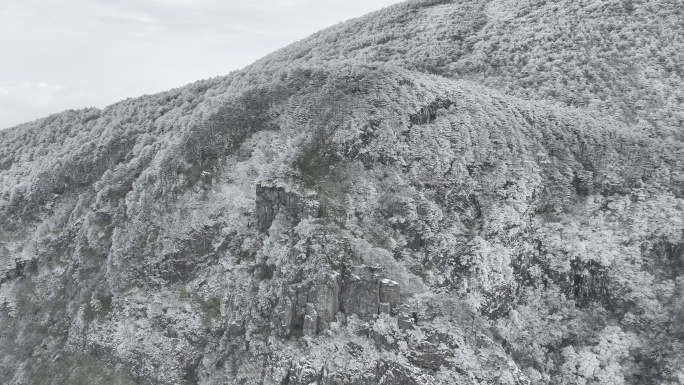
x: 361, y: 291
x: 406, y: 321
x: 21, y: 268
x: 350, y: 210
x: 389, y: 295
x: 272, y: 200
x: 429, y: 113
x: 327, y: 300
x: 310, y: 327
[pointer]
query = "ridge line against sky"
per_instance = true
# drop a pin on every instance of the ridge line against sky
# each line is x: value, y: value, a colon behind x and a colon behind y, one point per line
x: 91, y: 53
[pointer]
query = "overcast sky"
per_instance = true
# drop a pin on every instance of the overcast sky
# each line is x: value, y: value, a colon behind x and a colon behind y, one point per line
x: 59, y: 55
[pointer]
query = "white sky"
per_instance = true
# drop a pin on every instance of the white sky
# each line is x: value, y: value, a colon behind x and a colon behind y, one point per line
x: 58, y: 55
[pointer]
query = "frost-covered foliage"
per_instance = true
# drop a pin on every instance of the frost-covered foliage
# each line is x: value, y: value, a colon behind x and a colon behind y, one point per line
x: 621, y: 58
x: 352, y: 210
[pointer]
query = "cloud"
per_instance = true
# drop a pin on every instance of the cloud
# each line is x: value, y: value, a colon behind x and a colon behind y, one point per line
x: 91, y: 47
x: 24, y: 101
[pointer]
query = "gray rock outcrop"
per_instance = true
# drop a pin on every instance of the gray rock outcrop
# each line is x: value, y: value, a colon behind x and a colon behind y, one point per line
x: 361, y: 291
x: 270, y: 200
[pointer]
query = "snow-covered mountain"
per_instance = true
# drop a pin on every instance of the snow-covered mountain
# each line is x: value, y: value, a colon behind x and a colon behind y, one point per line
x: 440, y: 192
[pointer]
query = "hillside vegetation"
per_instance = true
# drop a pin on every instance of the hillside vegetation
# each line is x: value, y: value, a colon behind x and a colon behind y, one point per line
x: 440, y: 192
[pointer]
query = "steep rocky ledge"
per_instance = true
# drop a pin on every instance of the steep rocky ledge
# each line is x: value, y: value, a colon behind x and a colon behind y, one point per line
x: 271, y: 200
x: 358, y: 290
x: 442, y: 192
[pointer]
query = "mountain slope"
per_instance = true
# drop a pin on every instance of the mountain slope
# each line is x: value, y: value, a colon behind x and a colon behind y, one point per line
x: 617, y: 57
x: 332, y: 215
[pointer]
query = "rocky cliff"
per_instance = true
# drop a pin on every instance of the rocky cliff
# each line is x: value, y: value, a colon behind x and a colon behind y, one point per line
x: 441, y: 192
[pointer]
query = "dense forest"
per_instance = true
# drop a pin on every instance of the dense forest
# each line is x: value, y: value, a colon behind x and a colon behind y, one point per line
x: 440, y: 192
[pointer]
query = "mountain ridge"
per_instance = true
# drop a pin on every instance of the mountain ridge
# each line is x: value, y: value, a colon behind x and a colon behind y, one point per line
x: 347, y: 221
